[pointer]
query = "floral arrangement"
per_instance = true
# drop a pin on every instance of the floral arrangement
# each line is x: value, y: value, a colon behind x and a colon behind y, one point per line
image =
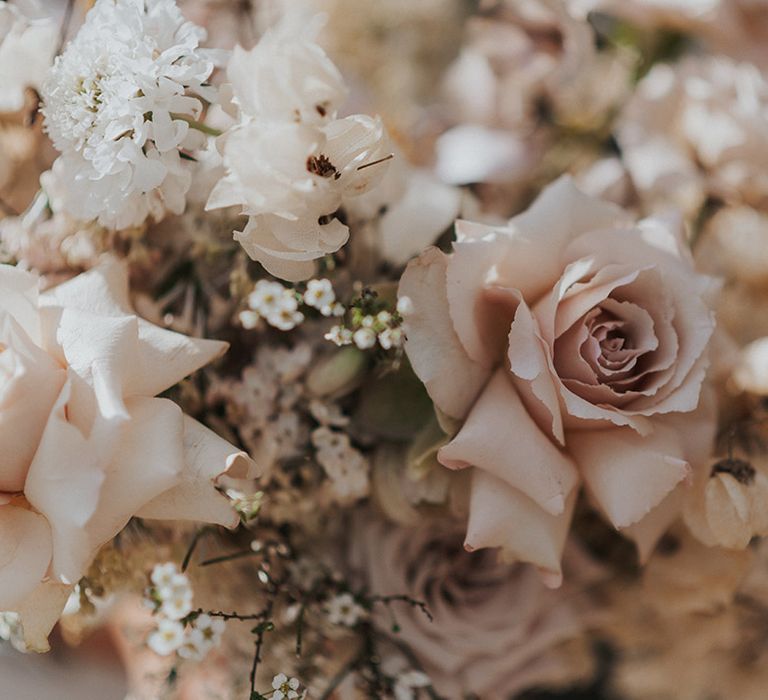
x: 355, y: 349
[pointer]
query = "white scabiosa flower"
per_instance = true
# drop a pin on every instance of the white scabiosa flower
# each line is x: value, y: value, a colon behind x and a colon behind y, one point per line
x: 118, y: 103
x: 290, y: 162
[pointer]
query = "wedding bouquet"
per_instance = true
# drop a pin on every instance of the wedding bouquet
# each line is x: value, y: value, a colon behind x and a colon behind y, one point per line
x: 387, y: 349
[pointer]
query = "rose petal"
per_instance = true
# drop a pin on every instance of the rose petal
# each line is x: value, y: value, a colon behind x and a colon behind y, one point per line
x: 437, y: 356
x: 25, y: 553
x: 501, y: 516
x: 626, y: 474
x: 206, y: 457
x: 500, y: 438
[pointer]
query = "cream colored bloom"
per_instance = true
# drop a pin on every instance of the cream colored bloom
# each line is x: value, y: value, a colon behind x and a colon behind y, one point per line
x: 85, y: 445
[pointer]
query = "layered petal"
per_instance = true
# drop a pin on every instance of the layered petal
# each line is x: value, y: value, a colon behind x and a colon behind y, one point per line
x: 500, y: 438
x: 452, y: 379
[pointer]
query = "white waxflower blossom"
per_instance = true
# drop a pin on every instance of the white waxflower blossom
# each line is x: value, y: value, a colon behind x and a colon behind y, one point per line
x: 404, y: 306
x: 364, y: 338
x: 285, y: 688
x: 11, y: 630
x: 167, y: 638
x: 117, y: 105
x: 204, y: 634
x: 266, y: 297
x: 163, y: 574
x: 339, y: 335
x: 407, y: 684
x: 320, y: 295
x: 344, y: 610
x: 391, y: 338
x: 175, y: 597
x: 290, y: 163
x: 276, y: 304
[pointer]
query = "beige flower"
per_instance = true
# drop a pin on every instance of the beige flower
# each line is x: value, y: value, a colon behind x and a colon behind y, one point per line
x: 84, y: 444
x: 698, y: 129
x: 496, y: 629
x: 570, y: 345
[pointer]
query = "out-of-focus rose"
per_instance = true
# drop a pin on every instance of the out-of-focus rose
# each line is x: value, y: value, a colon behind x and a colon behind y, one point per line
x: 571, y: 346
x: 524, y: 626
x: 695, y: 129
x: 84, y: 444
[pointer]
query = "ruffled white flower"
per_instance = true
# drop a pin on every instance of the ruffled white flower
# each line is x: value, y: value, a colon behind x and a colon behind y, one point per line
x: 27, y: 45
x: 290, y: 162
x: 117, y: 106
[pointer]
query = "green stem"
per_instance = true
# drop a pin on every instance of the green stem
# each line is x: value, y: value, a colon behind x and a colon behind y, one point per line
x: 197, y: 125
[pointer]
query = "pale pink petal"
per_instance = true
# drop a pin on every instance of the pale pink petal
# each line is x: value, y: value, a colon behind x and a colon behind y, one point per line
x: 206, y: 457
x: 102, y: 291
x: 531, y: 361
x: 500, y: 437
x: 452, y: 379
x: 626, y: 474
x: 148, y: 459
x: 63, y: 484
x: 19, y: 291
x: 648, y: 531
x: 481, y: 321
x: 30, y: 381
x: 501, y: 516
x: 40, y: 611
x: 560, y: 213
x: 25, y: 553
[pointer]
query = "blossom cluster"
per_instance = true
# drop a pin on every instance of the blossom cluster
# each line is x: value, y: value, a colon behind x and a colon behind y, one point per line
x: 476, y: 411
x: 170, y: 596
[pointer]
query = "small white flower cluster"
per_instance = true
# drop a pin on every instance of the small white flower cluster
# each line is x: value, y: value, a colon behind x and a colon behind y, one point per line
x: 290, y: 162
x: 368, y: 329
x: 246, y: 504
x: 285, y: 688
x: 11, y: 630
x: 407, y: 681
x: 118, y: 103
x: 320, y: 295
x: 345, y: 465
x: 171, y: 597
x: 276, y: 304
x: 279, y: 305
x: 344, y: 610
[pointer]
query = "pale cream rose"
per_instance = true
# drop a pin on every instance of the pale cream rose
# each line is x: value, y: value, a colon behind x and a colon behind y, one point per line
x: 570, y: 346
x: 496, y: 629
x: 84, y: 446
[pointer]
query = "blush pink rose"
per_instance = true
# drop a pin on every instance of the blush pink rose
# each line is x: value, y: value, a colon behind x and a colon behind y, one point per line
x: 571, y: 347
x: 84, y: 445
